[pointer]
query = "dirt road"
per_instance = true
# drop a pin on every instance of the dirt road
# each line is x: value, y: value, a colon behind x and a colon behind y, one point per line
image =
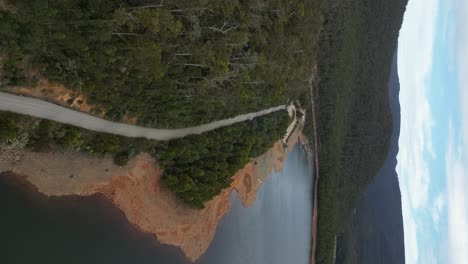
x: 42, y: 109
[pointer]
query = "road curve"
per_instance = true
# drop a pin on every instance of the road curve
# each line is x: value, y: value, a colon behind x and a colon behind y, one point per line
x: 42, y: 109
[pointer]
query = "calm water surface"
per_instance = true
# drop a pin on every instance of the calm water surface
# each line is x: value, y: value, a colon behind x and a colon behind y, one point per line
x: 276, y: 229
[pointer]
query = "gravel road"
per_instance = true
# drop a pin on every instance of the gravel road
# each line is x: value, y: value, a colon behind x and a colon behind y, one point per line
x: 42, y: 109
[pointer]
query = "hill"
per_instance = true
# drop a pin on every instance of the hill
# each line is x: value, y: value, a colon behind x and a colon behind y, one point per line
x: 375, y: 233
x: 357, y: 44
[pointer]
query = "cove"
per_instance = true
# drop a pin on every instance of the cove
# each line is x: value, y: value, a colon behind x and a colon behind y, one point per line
x: 275, y: 229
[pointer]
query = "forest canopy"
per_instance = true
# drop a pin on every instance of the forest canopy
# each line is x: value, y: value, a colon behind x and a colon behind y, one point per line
x: 169, y: 63
x: 357, y: 44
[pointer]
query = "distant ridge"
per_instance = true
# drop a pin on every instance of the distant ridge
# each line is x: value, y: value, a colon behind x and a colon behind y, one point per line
x: 376, y: 230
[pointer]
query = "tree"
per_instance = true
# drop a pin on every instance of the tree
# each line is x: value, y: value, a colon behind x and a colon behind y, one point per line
x: 69, y: 137
x: 8, y: 130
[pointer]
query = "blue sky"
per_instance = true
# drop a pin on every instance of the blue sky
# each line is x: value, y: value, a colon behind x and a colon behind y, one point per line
x: 433, y: 157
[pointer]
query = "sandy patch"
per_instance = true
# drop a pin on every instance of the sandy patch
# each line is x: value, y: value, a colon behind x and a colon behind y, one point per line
x: 58, y: 94
x: 59, y: 173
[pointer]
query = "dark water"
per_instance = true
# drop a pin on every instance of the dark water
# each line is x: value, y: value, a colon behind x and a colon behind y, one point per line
x: 276, y: 229
x: 71, y: 230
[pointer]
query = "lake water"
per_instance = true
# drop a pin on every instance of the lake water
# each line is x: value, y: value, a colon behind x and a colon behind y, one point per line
x: 276, y: 229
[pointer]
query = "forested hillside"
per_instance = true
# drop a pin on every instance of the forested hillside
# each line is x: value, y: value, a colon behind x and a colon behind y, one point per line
x: 354, y: 119
x: 375, y: 232
x: 169, y: 63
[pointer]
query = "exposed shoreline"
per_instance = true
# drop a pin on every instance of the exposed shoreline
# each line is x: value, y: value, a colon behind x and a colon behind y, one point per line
x: 137, y: 191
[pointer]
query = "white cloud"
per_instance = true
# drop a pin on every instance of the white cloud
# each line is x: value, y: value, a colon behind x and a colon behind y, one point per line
x: 461, y: 53
x: 415, y: 59
x: 456, y: 160
x: 450, y: 34
x: 430, y: 258
x: 437, y: 208
x: 457, y: 201
x: 415, y: 55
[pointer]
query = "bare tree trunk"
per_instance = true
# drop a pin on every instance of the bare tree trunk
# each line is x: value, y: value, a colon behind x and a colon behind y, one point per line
x: 161, y: 4
x: 120, y: 34
x: 244, y: 58
x: 222, y: 28
x: 182, y: 54
x: 237, y: 44
x: 194, y: 65
x: 297, y: 51
x: 242, y: 66
x: 189, y: 9
x: 255, y: 82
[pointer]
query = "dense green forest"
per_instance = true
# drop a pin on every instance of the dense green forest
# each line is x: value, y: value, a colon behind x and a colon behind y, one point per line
x: 354, y: 120
x: 196, y: 168
x: 169, y: 63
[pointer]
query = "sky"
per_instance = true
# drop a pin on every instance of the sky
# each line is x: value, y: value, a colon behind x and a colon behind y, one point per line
x: 433, y: 156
